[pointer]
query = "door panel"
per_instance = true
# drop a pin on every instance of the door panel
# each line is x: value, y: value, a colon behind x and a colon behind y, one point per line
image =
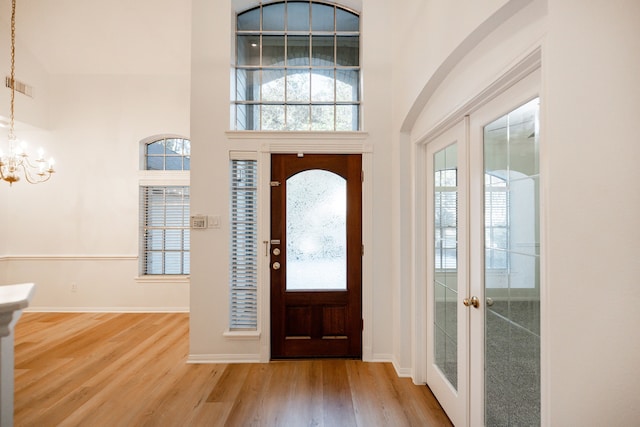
x: 447, y: 284
x: 316, y: 259
x: 505, y: 380
x: 512, y: 279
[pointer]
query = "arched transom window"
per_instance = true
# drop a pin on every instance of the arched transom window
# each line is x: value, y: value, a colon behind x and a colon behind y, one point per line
x: 297, y: 68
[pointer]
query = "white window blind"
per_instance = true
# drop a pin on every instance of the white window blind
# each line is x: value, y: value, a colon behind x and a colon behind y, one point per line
x: 244, y: 245
x: 496, y: 222
x: 446, y: 219
x: 164, y: 229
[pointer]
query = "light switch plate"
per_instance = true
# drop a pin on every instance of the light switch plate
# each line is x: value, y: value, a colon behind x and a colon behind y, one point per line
x: 214, y: 221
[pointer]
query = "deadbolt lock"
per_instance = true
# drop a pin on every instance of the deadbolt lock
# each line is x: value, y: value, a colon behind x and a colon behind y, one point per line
x: 276, y: 265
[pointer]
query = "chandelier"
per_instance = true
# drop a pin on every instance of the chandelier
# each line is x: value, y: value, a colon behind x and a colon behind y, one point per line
x: 17, y: 162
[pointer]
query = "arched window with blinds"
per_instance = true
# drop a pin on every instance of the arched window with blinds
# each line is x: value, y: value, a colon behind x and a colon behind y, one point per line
x: 164, y: 207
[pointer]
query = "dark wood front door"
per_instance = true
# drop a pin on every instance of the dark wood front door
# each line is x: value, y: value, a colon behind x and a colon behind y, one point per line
x: 316, y: 255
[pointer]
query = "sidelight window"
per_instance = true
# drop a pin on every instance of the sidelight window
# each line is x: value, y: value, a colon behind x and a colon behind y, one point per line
x: 243, y: 273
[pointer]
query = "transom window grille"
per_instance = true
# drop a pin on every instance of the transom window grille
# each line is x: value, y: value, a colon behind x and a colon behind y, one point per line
x: 168, y: 154
x: 244, y: 245
x: 164, y: 208
x: 297, y: 68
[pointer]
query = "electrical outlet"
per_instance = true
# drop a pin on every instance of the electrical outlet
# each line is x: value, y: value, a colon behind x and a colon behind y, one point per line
x: 74, y: 287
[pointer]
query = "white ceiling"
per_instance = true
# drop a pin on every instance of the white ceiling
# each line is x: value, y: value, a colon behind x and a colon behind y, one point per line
x: 104, y: 37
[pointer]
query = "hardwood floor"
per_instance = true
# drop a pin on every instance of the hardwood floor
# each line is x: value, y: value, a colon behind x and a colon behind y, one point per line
x: 83, y: 369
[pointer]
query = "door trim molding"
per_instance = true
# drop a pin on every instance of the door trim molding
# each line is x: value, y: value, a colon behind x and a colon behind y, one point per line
x: 264, y: 225
x: 529, y: 65
x: 522, y: 67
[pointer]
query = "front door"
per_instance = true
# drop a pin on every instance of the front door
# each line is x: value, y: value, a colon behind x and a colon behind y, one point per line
x: 316, y: 255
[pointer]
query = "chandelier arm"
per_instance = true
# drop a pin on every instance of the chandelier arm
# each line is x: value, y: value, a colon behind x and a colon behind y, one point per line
x: 26, y: 161
x: 44, y: 176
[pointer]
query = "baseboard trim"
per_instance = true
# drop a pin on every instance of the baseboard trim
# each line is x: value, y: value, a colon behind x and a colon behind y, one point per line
x: 69, y: 257
x: 223, y: 358
x: 107, y: 310
x: 388, y: 358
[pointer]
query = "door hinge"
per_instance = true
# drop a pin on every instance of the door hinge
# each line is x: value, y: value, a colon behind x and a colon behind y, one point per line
x: 275, y: 183
x: 362, y: 250
x: 362, y: 175
x: 362, y: 324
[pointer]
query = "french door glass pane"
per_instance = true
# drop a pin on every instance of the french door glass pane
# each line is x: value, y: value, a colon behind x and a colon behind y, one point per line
x: 316, y: 231
x: 512, y: 268
x: 445, y: 275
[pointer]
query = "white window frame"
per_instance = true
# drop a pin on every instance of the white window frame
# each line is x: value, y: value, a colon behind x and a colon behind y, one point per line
x: 159, y: 178
x: 262, y: 103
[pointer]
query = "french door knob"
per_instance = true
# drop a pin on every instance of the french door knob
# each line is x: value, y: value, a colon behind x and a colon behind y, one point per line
x: 276, y: 265
x: 473, y: 301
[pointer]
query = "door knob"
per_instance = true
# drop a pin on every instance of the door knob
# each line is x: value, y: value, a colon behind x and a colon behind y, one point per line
x: 473, y: 301
x: 276, y: 265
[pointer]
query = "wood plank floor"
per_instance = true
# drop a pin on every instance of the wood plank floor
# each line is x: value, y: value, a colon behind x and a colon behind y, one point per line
x: 84, y: 369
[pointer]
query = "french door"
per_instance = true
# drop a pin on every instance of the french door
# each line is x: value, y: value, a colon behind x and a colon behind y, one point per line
x: 316, y: 255
x: 483, y: 248
x: 447, y: 278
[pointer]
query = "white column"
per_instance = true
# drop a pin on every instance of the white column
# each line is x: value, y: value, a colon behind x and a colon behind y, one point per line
x: 13, y: 298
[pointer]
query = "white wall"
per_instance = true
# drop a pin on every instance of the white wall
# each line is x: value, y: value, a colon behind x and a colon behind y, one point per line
x: 592, y: 90
x: 82, y: 226
x: 108, y: 92
x: 211, y: 70
x: 31, y: 117
x: 591, y: 192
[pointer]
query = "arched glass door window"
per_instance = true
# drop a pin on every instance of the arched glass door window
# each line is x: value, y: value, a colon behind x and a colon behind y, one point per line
x: 316, y: 231
x: 297, y: 68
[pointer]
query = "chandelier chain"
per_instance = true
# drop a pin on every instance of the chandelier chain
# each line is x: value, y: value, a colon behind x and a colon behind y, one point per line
x: 13, y: 69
